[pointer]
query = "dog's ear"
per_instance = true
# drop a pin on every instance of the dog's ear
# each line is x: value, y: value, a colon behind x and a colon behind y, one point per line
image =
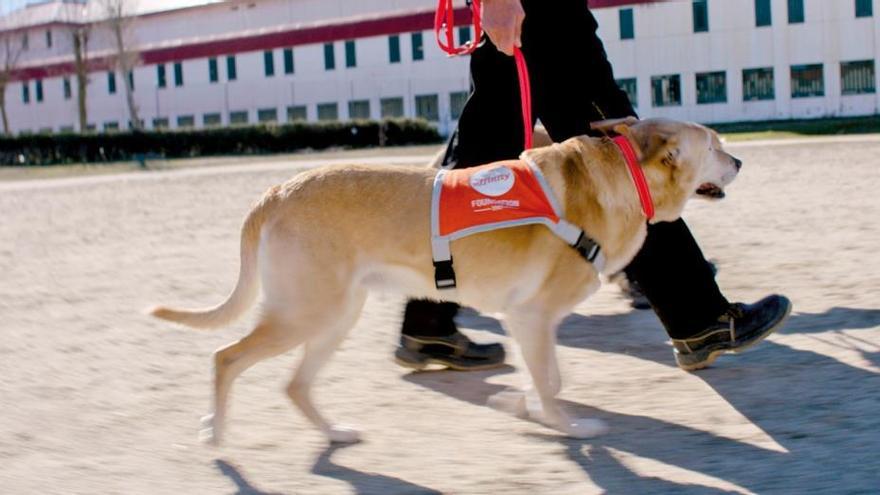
x: 654, y: 142
x: 610, y: 124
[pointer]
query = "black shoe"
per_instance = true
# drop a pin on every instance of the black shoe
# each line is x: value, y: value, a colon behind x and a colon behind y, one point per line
x: 741, y: 327
x: 455, y: 351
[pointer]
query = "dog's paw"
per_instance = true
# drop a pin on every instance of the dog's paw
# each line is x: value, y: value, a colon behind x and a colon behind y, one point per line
x: 509, y: 401
x: 343, y: 434
x: 210, y: 433
x: 584, y: 428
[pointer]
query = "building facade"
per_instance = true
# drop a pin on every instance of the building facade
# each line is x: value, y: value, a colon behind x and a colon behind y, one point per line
x: 250, y: 61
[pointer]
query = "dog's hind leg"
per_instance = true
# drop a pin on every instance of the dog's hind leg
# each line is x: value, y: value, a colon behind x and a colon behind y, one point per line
x: 266, y: 340
x: 318, y: 350
x: 536, y: 335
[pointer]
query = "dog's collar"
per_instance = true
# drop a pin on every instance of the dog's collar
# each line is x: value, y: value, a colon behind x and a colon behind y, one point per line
x: 638, y: 177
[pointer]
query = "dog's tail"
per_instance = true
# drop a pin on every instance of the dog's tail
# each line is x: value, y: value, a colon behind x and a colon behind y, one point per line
x: 248, y: 285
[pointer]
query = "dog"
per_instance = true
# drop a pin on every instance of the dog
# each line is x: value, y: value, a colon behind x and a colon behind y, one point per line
x: 318, y: 243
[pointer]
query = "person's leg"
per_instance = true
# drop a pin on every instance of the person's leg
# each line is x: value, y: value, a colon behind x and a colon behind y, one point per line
x: 671, y: 269
x: 677, y: 279
x: 489, y: 129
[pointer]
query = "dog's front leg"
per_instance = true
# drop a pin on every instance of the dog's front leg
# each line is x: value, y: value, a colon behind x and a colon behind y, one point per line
x: 536, y: 334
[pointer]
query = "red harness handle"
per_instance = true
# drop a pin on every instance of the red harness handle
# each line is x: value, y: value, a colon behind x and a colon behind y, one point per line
x: 444, y: 23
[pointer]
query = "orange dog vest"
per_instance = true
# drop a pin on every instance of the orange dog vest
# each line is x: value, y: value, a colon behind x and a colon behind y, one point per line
x: 496, y: 196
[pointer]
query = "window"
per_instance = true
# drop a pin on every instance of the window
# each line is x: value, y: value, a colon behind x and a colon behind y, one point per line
x: 68, y: 91
x: 131, y: 80
x: 39, y: 90
x: 239, y: 117
x: 418, y: 48
x: 296, y: 113
x: 25, y: 41
x: 857, y: 77
x: 160, y: 123
x: 359, y: 109
x: 627, y: 30
x: 231, y: 69
x: 701, y: 16
x: 630, y: 87
x: 267, y: 115
x: 763, y: 15
x: 350, y: 54
x: 161, y: 80
x: 328, y: 111
x: 178, y: 74
x: 758, y: 84
x: 213, y: 71
x: 269, y: 63
x: 211, y: 119
x: 394, y: 49
x: 48, y: 38
x: 464, y: 34
x: 111, y: 126
x: 711, y: 87
x: 288, y: 60
x: 795, y: 11
x: 329, y: 57
x: 807, y: 81
x: 111, y: 82
x: 456, y: 103
x: 186, y: 121
x: 864, y: 8
x: 391, y: 107
x: 666, y: 90
x: 427, y: 107
x: 25, y: 92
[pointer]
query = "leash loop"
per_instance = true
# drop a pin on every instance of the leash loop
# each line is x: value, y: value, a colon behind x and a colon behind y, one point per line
x: 444, y: 24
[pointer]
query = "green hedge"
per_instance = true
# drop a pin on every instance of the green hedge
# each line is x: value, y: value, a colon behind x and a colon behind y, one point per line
x: 46, y: 149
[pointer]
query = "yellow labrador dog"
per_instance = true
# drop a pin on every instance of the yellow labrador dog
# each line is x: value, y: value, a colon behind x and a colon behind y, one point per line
x: 318, y: 243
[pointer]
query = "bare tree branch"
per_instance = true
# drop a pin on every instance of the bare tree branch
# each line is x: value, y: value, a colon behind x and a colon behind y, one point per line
x: 119, y: 17
x: 11, y: 48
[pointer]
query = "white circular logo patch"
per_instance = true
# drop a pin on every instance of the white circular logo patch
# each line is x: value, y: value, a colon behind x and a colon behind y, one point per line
x: 494, y: 181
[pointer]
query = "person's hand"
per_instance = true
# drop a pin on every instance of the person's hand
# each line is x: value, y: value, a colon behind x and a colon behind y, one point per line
x: 502, y: 22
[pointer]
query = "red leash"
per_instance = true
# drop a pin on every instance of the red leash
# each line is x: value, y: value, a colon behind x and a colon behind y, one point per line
x: 444, y: 23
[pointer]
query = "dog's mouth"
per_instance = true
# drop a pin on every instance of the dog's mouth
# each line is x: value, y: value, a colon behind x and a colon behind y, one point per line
x: 711, y: 191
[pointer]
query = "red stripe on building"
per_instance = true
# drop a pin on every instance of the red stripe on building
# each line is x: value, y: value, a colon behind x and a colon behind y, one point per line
x: 263, y: 41
x: 281, y: 38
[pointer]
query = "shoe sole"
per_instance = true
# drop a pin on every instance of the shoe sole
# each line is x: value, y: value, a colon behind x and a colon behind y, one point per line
x: 421, y: 365
x: 714, y: 354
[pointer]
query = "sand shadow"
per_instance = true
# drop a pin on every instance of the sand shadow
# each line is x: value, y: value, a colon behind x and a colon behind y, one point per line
x: 361, y: 482
x: 820, y: 411
x: 234, y: 473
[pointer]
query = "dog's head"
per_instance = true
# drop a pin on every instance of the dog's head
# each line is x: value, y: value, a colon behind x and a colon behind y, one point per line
x: 680, y: 160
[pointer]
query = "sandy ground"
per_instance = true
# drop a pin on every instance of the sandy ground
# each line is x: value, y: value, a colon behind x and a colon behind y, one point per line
x: 97, y: 398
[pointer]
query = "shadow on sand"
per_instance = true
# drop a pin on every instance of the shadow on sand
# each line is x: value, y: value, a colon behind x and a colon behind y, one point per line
x: 823, y: 413
x: 364, y: 482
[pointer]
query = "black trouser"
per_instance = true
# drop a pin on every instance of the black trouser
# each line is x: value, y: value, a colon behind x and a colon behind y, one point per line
x: 572, y: 85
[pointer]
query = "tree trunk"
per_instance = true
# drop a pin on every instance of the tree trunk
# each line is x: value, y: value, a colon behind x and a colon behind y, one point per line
x: 125, y: 62
x: 3, y: 110
x: 80, y: 49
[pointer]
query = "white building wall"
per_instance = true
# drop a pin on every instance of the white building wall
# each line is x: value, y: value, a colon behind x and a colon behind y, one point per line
x: 664, y: 44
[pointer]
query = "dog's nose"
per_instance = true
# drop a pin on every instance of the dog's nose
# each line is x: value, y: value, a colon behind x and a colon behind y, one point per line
x: 737, y: 163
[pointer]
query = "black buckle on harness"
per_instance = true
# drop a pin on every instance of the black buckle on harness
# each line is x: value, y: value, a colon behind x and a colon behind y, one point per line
x: 587, y: 247
x: 444, y: 274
